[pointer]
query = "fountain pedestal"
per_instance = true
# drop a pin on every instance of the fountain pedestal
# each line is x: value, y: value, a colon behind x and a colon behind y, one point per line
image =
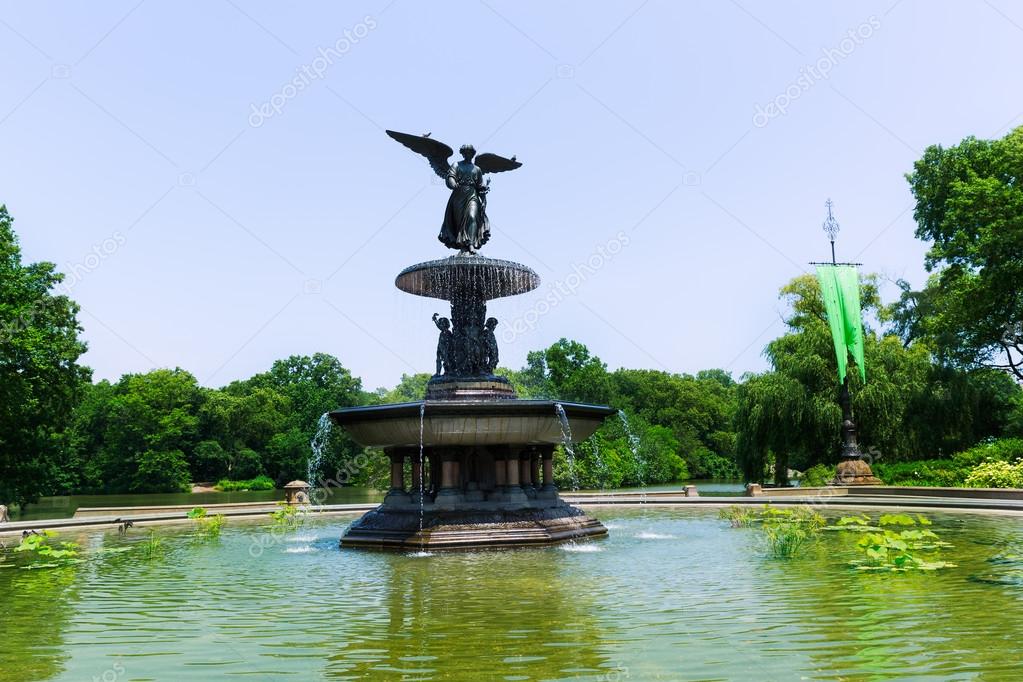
x: 486, y: 456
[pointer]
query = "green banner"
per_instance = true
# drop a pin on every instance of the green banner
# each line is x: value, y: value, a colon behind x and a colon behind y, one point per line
x: 840, y: 288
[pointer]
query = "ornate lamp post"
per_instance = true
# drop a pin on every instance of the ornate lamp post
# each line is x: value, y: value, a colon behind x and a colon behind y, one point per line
x: 840, y: 289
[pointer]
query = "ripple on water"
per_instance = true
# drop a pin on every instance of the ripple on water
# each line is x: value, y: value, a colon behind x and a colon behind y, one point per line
x: 647, y: 535
x: 302, y: 549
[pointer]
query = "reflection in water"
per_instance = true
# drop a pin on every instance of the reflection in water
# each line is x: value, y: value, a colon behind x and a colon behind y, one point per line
x: 671, y: 594
x: 504, y: 613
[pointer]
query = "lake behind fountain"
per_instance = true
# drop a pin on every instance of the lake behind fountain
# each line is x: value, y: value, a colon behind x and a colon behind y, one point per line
x: 670, y: 594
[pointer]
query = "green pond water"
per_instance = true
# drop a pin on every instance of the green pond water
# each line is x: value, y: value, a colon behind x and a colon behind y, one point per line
x: 670, y: 594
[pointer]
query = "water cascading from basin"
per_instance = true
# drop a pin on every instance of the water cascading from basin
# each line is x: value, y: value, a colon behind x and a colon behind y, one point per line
x: 566, y: 438
x: 317, y: 445
x: 634, y: 442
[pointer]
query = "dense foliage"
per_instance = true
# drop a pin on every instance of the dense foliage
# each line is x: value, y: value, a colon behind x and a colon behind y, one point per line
x: 969, y: 205
x: 40, y: 380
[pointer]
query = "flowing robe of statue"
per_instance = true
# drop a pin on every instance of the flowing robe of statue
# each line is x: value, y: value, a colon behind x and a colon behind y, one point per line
x: 465, y: 219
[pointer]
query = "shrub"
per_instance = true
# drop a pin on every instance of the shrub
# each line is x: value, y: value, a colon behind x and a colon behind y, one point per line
x: 926, y: 472
x: 1001, y: 450
x: 260, y: 482
x: 996, y: 474
x: 816, y: 476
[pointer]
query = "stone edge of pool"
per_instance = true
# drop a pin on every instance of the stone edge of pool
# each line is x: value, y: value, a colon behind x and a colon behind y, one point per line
x: 949, y: 499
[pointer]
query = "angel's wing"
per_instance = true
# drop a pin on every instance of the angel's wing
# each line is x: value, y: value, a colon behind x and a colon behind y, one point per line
x: 492, y: 163
x: 436, y: 152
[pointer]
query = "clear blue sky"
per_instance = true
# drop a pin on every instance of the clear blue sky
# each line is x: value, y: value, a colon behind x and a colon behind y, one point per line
x: 201, y: 235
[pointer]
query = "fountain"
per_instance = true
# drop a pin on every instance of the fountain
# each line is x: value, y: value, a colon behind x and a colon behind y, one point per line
x: 481, y: 459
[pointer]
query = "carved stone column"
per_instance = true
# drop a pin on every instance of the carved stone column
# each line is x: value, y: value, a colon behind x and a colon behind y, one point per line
x: 534, y: 467
x: 548, y: 489
x: 397, y: 495
x: 513, y: 488
x: 417, y: 491
x: 450, y: 494
x: 526, y: 473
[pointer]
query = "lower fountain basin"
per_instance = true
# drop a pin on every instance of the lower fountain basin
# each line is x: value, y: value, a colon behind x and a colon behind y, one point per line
x: 410, y: 529
x: 468, y: 423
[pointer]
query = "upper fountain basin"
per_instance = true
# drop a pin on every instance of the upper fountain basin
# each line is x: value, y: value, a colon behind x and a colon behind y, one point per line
x: 468, y: 423
x: 467, y: 276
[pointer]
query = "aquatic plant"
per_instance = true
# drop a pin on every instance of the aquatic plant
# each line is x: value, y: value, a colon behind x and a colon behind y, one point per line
x: 787, y: 530
x: 208, y: 526
x: 899, y: 543
x: 47, y: 552
x: 285, y: 517
x: 738, y: 516
x: 152, y: 546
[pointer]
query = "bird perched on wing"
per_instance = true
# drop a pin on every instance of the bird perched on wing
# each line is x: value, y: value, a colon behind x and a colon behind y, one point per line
x: 428, y: 134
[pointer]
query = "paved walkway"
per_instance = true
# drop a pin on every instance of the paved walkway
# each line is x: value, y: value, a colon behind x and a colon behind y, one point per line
x: 949, y: 499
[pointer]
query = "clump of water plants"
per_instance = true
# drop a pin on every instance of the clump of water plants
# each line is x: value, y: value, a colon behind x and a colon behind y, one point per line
x: 286, y: 517
x: 738, y: 516
x: 209, y: 527
x: 47, y: 552
x: 152, y: 546
x: 898, y: 543
x: 787, y: 530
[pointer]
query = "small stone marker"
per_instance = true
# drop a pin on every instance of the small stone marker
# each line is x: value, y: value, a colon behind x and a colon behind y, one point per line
x: 296, y: 492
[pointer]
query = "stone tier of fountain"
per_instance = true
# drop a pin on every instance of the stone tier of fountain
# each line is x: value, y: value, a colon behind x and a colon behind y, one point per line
x: 480, y: 460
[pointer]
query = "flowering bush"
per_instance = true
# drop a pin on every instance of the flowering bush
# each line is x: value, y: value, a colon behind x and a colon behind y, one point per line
x: 996, y: 475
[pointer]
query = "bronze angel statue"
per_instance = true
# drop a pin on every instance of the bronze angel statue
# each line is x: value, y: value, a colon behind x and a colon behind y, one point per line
x: 465, y: 226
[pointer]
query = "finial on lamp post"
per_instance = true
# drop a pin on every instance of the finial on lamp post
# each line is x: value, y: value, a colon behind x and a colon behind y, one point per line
x: 831, y: 229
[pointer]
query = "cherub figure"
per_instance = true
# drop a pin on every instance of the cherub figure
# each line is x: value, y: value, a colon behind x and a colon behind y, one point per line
x: 489, y: 343
x: 445, y: 344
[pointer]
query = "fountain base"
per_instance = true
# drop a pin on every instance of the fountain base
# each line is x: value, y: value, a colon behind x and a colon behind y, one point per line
x: 391, y: 528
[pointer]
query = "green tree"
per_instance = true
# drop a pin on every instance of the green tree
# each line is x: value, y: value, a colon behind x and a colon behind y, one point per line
x: 148, y: 421
x: 969, y: 205
x: 40, y: 378
x: 313, y: 385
